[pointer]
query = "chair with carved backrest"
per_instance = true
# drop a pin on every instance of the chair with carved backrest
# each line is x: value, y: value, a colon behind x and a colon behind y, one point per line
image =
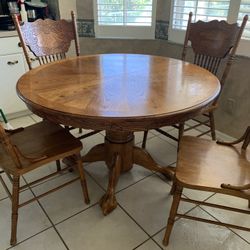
x: 46, y: 41
x: 214, y: 45
x: 214, y: 167
x: 25, y: 149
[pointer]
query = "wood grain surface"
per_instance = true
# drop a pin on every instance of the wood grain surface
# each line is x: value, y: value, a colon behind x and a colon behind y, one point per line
x: 118, y: 91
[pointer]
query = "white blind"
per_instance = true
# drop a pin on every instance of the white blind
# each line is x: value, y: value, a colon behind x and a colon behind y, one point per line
x: 205, y: 10
x: 244, y: 9
x: 125, y: 12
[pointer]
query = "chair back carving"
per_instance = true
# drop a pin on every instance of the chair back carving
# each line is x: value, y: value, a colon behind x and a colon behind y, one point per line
x: 9, y: 148
x: 212, y: 42
x: 48, y: 40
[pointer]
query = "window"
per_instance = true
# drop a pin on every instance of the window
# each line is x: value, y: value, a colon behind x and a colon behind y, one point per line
x: 125, y: 18
x: 202, y: 10
x: 244, y: 9
x: 206, y: 10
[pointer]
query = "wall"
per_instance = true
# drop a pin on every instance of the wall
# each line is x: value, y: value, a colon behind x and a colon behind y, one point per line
x: 231, y: 119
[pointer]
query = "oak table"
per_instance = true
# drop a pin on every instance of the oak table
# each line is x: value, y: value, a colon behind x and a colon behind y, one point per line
x: 121, y: 94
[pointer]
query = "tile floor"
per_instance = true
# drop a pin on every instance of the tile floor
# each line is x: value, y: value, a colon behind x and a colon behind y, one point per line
x: 62, y: 220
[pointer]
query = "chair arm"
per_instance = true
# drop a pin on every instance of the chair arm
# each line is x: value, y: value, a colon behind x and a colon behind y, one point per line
x: 245, y: 139
x: 239, y: 188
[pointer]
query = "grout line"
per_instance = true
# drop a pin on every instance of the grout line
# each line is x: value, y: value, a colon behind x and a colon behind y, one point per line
x: 230, y: 229
x: 138, y: 226
x: 94, y: 179
x: 147, y: 241
x: 141, y: 244
x: 104, y: 189
x: 79, y: 212
x: 30, y: 237
x: 48, y: 180
x: 39, y: 203
x: 145, y: 177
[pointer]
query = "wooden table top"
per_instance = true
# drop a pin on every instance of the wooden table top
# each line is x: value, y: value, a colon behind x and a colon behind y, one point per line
x: 107, y: 90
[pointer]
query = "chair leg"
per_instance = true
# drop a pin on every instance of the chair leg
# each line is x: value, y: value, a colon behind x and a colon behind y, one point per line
x: 212, y: 125
x: 82, y: 179
x: 58, y: 165
x: 145, y: 135
x: 15, y: 204
x: 173, y: 211
x: 248, y: 203
x: 80, y: 130
x: 173, y: 188
x: 181, y: 132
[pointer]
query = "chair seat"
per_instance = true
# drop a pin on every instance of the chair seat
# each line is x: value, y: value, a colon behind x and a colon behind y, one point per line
x: 206, y: 164
x: 40, y: 140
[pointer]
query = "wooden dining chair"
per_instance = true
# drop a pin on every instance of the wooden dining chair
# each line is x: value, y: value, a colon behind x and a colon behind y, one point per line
x: 214, y: 45
x: 26, y: 149
x: 214, y: 167
x: 45, y: 41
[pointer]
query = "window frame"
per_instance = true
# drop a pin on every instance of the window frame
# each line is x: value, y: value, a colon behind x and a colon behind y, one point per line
x: 178, y: 36
x: 125, y: 32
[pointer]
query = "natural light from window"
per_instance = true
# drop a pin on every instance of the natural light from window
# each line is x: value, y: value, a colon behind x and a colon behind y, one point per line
x: 125, y: 18
x: 231, y: 11
x: 202, y: 10
x: 125, y: 12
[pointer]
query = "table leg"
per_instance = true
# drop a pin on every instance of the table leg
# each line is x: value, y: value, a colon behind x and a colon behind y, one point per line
x: 108, y: 202
x: 119, y: 158
x: 144, y: 159
x: 120, y: 154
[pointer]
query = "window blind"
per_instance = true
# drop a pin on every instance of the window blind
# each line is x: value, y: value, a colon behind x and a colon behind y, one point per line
x: 125, y: 12
x: 205, y: 10
x: 244, y: 9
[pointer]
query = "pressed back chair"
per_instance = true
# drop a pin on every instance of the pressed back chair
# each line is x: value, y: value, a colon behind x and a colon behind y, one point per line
x: 214, y: 45
x: 214, y: 167
x: 46, y: 41
x: 26, y: 149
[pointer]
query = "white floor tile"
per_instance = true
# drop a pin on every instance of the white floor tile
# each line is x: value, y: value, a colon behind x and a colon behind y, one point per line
x: 189, y: 235
x: 69, y: 200
x: 148, y: 202
x: 148, y: 245
x: 139, y: 136
x: 31, y: 220
x: 92, y: 230
x: 196, y: 194
x: 162, y: 152
x: 22, y: 122
x: 36, y: 118
x: 3, y: 193
x: 229, y: 216
x: 91, y: 141
x: 47, y: 240
x: 40, y: 172
x: 223, y: 137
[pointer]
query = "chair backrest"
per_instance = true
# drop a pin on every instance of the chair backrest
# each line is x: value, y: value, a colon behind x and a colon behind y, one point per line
x: 212, y: 42
x: 48, y: 40
x: 9, y: 148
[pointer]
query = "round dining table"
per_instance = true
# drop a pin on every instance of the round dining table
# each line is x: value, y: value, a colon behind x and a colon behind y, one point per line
x: 121, y: 94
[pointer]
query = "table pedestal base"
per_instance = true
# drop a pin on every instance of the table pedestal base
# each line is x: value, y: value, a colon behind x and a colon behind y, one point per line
x: 120, y: 154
